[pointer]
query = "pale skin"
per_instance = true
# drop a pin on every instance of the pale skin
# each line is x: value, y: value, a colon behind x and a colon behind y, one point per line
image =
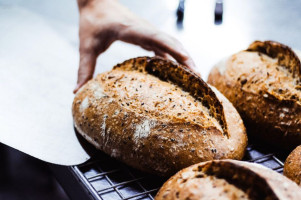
x: 104, y: 21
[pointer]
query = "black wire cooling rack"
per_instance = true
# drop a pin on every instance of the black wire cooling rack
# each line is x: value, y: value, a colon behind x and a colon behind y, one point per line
x: 105, y: 178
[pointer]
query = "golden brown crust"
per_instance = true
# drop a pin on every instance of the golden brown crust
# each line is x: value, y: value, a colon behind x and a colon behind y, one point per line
x: 228, y: 179
x: 292, y: 166
x: 106, y: 112
x: 266, y: 94
x: 184, y: 78
x: 284, y: 54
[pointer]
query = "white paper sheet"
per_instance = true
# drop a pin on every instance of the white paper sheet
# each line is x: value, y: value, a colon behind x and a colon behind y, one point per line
x: 38, y: 71
x: 37, y: 76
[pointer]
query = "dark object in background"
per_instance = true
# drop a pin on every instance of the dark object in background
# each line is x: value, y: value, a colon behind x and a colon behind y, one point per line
x: 23, y: 177
x: 180, y: 14
x: 218, y: 12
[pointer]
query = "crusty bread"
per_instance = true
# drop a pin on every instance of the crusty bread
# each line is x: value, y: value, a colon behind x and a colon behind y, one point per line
x: 292, y: 166
x: 263, y: 83
x: 228, y: 179
x: 157, y: 116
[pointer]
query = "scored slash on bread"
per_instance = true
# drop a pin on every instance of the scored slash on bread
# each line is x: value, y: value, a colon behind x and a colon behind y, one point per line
x: 184, y: 78
x: 228, y: 179
x: 263, y: 83
x: 284, y: 54
x: 157, y: 116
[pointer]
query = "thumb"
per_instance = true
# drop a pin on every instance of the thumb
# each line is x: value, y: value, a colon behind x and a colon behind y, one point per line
x: 86, y: 69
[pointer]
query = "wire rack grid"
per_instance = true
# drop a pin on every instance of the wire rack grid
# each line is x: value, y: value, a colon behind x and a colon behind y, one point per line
x: 107, y: 179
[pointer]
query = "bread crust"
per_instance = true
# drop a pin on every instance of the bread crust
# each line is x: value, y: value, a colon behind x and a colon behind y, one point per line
x: 150, y: 143
x: 228, y: 179
x: 292, y: 166
x: 270, y: 111
x: 285, y: 55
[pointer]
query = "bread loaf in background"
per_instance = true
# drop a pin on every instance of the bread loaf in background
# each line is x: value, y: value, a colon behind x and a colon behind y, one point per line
x: 292, y: 166
x: 157, y: 116
x: 263, y: 83
x: 228, y: 179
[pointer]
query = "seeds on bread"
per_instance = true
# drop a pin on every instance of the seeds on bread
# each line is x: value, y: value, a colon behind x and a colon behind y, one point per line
x: 228, y: 180
x: 263, y: 83
x: 157, y: 116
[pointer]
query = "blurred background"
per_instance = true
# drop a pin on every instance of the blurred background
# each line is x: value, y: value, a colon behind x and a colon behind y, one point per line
x: 35, y: 33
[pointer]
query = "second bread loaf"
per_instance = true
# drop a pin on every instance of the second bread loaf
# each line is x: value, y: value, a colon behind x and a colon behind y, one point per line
x: 264, y: 84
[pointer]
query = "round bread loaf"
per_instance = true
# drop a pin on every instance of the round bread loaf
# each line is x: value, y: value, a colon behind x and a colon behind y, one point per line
x: 263, y: 83
x: 157, y: 116
x: 292, y: 166
x: 228, y: 179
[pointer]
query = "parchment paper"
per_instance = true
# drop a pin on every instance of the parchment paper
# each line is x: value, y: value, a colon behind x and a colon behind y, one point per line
x: 37, y: 76
x: 38, y: 70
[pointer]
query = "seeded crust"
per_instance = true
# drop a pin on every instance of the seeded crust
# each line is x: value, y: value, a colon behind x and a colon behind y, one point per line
x: 285, y: 56
x: 263, y: 83
x: 146, y: 114
x: 228, y: 180
x: 292, y: 166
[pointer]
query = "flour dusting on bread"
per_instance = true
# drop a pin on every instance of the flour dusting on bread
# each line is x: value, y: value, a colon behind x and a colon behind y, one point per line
x: 264, y: 84
x: 103, y: 126
x: 97, y: 90
x: 84, y: 105
x: 143, y: 130
x: 154, y: 124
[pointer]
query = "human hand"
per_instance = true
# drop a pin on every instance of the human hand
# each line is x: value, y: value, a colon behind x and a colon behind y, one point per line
x: 104, y: 21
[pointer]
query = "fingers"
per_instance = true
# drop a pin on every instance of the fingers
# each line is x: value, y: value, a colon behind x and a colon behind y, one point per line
x: 86, y: 69
x: 174, y: 48
x: 91, y: 47
x: 187, y: 62
x: 159, y: 42
x: 162, y: 54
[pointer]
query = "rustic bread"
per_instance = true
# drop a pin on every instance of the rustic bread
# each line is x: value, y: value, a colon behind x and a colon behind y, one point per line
x: 292, y: 166
x: 228, y: 179
x: 157, y: 116
x: 263, y: 83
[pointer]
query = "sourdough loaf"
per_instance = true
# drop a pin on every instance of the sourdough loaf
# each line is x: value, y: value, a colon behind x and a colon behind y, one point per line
x: 292, y: 166
x: 263, y: 83
x: 228, y: 180
x: 157, y: 116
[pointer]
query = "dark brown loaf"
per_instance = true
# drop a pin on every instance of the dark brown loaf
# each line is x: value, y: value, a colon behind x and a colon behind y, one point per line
x: 228, y: 180
x: 292, y: 166
x: 263, y: 83
x: 157, y: 116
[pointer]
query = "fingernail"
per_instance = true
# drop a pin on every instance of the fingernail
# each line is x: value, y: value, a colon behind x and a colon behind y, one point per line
x: 190, y: 63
